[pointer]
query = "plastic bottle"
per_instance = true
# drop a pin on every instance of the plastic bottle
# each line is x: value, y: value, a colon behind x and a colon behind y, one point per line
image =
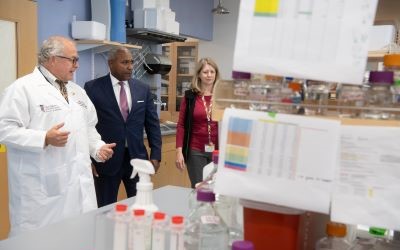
x: 205, y: 229
x: 139, y: 231
x: 242, y: 245
x: 177, y: 228
x: 335, y: 239
x: 117, y: 220
x: 158, y: 232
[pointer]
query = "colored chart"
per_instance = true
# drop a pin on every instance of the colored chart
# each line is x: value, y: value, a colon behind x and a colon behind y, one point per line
x: 266, y: 7
x: 238, y: 142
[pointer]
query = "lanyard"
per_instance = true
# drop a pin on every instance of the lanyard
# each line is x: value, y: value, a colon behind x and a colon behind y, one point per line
x: 208, y: 114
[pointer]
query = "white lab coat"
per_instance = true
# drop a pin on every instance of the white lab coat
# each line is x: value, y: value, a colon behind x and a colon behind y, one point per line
x: 47, y: 184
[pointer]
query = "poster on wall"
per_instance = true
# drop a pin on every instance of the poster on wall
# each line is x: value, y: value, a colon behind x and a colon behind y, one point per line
x: 324, y: 40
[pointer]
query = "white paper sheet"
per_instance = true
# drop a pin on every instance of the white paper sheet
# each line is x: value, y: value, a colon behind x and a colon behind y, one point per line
x: 285, y: 160
x: 369, y: 177
x: 323, y: 40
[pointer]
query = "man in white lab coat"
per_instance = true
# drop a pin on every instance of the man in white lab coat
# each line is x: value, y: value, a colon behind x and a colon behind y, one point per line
x: 48, y: 125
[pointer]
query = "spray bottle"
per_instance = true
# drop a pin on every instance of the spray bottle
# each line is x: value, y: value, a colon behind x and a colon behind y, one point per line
x: 144, y: 187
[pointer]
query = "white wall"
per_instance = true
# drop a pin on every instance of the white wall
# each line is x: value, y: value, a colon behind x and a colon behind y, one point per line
x: 222, y: 46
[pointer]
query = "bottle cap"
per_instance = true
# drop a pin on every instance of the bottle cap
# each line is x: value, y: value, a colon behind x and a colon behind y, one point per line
x: 377, y: 231
x: 138, y: 212
x: 381, y: 77
x: 177, y: 219
x: 295, y: 86
x: 215, y: 155
x: 121, y: 207
x: 391, y: 60
x: 240, y: 75
x: 242, y: 245
x: 336, y: 229
x: 159, y: 216
x: 205, y: 195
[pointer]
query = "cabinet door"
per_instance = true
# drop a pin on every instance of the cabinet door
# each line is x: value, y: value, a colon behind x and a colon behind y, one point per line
x: 165, y: 81
x: 186, y: 60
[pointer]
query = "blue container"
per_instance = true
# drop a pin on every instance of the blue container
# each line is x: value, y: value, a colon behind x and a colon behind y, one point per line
x: 117, y: 30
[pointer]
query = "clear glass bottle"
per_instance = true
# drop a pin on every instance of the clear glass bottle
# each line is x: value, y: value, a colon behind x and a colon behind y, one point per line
x: 370, y: 242
x: 158, y: 231
x: 243, y: 245
x: 177, y: 229
x: 316, y: 98
x: 208, y: 181
x: 350, y: 96
x: 240, y: 84
x: 383, y: 241
x: 297, y: 97
x: 392, y: 63
x: 205, y: 229
x: 335, y: 239
x: 379, y: 95
x: 227, y: 207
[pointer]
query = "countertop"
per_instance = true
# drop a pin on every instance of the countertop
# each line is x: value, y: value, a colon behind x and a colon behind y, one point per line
x: 78, y: 232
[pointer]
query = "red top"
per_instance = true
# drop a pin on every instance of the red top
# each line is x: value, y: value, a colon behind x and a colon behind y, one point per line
x: 199, y: 136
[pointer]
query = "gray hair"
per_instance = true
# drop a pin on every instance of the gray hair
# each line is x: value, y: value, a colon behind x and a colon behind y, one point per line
x: 112, y: 53
x: 51, y: 47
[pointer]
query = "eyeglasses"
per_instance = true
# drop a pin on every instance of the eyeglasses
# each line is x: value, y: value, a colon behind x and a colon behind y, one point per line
x: 74, y: 60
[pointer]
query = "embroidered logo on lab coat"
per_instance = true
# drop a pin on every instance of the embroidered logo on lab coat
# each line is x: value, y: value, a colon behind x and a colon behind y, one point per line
x: 82, y: 104
x: 49, y: 108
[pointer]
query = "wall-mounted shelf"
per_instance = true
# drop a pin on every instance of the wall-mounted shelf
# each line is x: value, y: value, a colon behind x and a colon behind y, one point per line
x: 224, y: 97
x: 102, y: 45
x: 154, y: 35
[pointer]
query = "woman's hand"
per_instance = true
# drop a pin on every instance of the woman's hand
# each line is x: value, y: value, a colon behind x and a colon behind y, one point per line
x: 180, y: 161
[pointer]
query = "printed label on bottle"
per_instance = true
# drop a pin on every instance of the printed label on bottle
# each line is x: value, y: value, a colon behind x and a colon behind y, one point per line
x: 209, y: 219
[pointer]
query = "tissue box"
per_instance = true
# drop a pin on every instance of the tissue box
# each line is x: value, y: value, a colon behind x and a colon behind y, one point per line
x: 90, y: 30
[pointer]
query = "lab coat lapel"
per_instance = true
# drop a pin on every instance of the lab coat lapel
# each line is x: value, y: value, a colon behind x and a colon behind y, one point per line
x: 51, y: 90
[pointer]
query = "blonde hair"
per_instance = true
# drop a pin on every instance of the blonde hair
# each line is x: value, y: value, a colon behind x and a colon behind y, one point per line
x: 196, y: 82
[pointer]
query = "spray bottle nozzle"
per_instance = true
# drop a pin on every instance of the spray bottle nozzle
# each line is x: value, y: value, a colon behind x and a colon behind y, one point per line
x: 142, y: 167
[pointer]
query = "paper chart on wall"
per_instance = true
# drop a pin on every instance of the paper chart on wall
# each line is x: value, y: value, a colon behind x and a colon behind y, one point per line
x: 284, y: 160
x: 368, y: 183
x: 323, y: 40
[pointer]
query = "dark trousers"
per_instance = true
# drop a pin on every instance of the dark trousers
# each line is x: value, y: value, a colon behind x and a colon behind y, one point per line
x: 195, y: 164
x: 107, y: 186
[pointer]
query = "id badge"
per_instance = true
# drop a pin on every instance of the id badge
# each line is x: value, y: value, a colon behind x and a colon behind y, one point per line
x: 209, y: 148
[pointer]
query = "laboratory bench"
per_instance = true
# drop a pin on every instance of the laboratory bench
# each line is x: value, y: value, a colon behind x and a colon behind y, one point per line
x: 78, y: 233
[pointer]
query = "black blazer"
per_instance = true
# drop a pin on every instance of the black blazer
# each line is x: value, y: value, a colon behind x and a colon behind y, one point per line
x: 112, y: 127
x: 190, y: 97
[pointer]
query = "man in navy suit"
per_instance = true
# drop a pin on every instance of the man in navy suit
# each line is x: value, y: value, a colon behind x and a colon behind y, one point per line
x: 124, y: 108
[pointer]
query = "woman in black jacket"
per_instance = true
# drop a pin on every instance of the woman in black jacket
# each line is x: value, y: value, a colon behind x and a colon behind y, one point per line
x: 197, y: 133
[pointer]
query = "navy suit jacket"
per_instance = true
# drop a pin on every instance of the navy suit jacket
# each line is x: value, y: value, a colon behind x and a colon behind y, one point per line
x: 112, y: 127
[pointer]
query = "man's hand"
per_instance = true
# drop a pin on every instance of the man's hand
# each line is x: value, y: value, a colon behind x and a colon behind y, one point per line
x: 106, y: 151
x: 156, y: 165
x: 56, y: 137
